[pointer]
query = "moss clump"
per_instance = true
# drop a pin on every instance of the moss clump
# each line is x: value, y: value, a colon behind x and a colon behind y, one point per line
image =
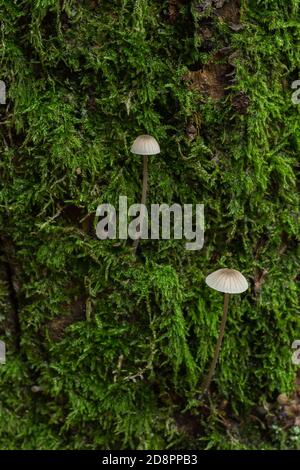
x: 119, y: 346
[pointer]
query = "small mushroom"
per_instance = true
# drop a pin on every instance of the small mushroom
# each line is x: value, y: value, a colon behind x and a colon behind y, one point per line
x: 228, y: 281
x: 36, y: 388
x: 144, y: 145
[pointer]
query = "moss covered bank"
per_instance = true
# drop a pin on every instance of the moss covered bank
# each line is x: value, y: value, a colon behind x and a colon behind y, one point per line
x: 105, y: 350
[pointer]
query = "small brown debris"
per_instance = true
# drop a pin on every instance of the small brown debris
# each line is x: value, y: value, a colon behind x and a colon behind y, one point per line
x: 240, y: 103
x: 174, y: 9
x: 223, y: 405
x: 259, y: 279
x: 75, y: 312
x: 87, y: 224
x: 188, y: 424
x: 261, y: 411
x: 289, y: 412
x: 230, y: 12
x: 297, y: 421
x: 209, y: 4
x: 283, y: 399
x: 233, y: 57
x: 191, y: 131
x: 236, y: 27
x: 206, y: 32
x: 204, y: 5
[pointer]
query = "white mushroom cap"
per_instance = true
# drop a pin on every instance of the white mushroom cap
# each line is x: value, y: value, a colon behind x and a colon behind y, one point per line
x: 145, y: 145
x: 228, y: 281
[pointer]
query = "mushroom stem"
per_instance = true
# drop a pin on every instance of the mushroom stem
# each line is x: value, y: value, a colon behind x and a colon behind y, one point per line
x: 218, y: 345
x: 143, y: 202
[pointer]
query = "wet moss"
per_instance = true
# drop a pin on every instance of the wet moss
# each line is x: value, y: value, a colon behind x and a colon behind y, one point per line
x: 83, y: 79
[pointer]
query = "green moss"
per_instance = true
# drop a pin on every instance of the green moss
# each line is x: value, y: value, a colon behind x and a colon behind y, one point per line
x: 120, y: 346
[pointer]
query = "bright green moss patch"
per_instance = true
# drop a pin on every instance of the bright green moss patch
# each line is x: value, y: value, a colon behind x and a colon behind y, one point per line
x: 119, y: 346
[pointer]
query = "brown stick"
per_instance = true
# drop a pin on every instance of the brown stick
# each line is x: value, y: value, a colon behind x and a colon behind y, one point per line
x: 218, y: 345
x: 143, y: 202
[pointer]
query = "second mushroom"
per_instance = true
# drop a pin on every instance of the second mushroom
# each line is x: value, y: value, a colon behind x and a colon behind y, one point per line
x: 228, y: 281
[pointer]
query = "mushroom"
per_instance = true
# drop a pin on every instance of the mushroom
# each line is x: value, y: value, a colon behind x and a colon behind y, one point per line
x: 144, y: 145
x: 228, y: 281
